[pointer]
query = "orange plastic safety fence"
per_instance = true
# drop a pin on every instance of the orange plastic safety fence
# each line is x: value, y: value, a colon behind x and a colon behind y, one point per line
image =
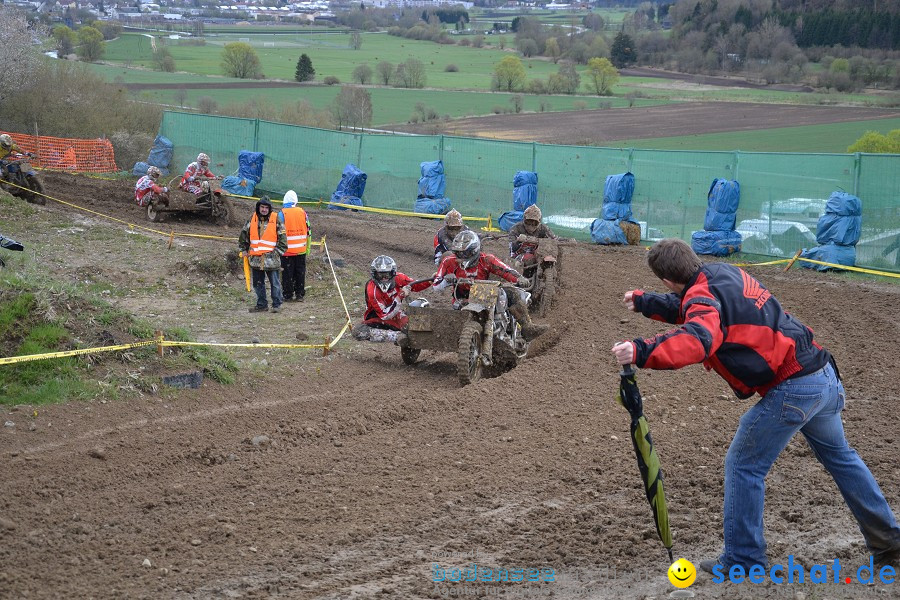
x: 68, y: 154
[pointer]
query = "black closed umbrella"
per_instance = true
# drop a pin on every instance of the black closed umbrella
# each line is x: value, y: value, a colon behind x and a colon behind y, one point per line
x: 10, y: 244
x: 647, y: 459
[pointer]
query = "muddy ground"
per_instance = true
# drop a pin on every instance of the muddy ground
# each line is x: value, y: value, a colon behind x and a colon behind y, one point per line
x: 374, y: 472
x: 597, y: 127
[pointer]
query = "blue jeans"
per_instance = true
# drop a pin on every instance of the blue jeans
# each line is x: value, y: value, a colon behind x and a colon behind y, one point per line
x: 812, y: 405
x: 259, y: 286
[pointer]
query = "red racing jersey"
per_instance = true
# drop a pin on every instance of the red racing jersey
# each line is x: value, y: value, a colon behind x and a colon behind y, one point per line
x: 386, y: 305
x: 487, y: 265
x: 733, y: 325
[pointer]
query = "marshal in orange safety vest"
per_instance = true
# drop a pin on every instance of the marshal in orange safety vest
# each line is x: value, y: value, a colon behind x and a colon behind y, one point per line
x: 297, y: 227
x: 268, y: 241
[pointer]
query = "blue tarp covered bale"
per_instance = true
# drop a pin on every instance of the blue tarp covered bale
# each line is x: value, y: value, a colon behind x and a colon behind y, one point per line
x: 716, y: 243
x: 842, y: 221
x: 830, y: 253
x: 350, y: 189
x: 160, y: 156
x: 250, y: 168
x: 724, y: 195
x: 607, y: 232
x: 524, y: 190
x: 432, y: 184
x: 433, y: 206
x: 508, y: 219
x: 716, y: 221
x: 617, y: 193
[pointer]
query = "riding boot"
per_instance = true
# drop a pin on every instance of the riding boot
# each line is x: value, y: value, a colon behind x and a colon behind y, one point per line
x: 530, y: 329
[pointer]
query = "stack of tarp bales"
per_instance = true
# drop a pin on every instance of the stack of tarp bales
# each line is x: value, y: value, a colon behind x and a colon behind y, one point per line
x: 616, y: 225
x: 524, y: 195
x: 837, y: 233
x: 250, y: 168
x: 719, y: 237
x: 350, y: 188
x: 160, y: 157
x: 432, y: 186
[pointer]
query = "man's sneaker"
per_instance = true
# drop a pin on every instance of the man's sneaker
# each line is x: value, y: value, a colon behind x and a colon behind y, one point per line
x: 707, y: 565
x: 276, y: 309
x: 259, y: 309
x: 301, y: 298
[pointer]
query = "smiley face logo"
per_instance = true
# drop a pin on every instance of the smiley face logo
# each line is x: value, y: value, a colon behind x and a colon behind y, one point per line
x: 682, y: 573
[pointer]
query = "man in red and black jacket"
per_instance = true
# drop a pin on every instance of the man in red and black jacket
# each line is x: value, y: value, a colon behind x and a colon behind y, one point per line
x: 733, y: 325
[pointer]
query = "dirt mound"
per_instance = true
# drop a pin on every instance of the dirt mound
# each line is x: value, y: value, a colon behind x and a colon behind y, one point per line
x: 351, y: 476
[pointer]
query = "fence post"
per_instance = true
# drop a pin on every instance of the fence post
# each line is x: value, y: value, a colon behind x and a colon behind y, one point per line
x: 857, y: 168
x: 534, y: 157
x: 441, y: 149
x: 735, y: 163
x: 159, y: 342
x: 359, y: 151
x: 630, y: 160
x: 256, y: 136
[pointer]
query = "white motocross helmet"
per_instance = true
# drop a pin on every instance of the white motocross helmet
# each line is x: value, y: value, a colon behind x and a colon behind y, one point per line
x: 384, y: 270
x: 203, y: 159
x: 467, y: 248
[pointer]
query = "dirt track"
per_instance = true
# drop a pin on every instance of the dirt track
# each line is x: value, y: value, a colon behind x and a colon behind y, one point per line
x: 376, y: 468
x: 596, y: 127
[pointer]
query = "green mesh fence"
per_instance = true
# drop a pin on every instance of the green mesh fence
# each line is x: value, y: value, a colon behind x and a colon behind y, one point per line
x: 782, y: 195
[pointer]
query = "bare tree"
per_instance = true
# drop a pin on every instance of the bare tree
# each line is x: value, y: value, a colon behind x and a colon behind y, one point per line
x: 181, y: 96
x: 355, y: 40
x: 362, y: 74
x: 352, y: 107
x: 385, y: 71
x: 19, y: 55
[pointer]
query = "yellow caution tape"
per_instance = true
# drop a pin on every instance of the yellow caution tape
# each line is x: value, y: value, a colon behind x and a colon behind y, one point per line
x: 10, y: 360
x: 238, y: 345
x: 399, y: 213
x: 849, y: 268
x: 763, y: 264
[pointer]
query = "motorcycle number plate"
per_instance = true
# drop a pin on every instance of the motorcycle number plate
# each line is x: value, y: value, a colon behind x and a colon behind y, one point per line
x: 484, y: 294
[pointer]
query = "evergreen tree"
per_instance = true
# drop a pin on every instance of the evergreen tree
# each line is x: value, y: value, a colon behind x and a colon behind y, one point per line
x: 623, y: 53
x: 305, y: 71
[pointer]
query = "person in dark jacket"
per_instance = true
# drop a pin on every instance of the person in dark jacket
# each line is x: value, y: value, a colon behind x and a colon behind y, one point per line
x: 733, y: 325
x: 265, y: 241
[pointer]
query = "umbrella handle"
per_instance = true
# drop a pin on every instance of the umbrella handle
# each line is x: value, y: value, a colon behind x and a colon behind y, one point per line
x: 627, y: 370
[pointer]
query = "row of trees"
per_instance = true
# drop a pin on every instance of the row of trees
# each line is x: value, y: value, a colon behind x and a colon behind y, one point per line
x: 408, y: 74
x: 509, y: 76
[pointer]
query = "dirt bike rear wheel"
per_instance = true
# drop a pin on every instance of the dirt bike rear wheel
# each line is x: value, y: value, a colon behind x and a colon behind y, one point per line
x: 547, y: 293
x: 223, y: 211
x: 35, y: 186
x: 154, y: 215
x: 410, y: 355
x: 468, y: 362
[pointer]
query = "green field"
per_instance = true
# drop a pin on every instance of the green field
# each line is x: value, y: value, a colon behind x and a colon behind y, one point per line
x: 833, y: 138
x: 331, y: 55
x: 392, y: 105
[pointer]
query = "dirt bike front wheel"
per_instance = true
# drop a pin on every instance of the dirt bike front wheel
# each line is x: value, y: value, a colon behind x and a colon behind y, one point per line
x: 410, y: 355
x: 35, y: 196
x: 468, y: 361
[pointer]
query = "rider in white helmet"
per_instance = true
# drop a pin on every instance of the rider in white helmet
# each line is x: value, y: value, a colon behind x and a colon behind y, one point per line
x: 196, y: 175
x: 146, y: 188
x: 384, y: 297
x: 469, y: 262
